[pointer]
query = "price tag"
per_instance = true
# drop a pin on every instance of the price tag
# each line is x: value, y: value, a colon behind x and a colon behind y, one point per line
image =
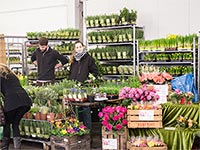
x: 146, y: 114
x: 109, y: 143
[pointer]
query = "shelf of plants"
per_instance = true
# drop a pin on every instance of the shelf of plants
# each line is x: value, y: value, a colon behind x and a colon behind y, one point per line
x: 174, y: 54
x: 112, y: 37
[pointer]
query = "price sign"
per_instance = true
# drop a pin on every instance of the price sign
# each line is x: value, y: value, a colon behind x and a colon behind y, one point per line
x: 146, y: 114
x: 109, y: 143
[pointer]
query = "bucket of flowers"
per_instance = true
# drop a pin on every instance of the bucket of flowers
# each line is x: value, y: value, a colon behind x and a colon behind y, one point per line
x: 67, y: 131
x: 114, y: 125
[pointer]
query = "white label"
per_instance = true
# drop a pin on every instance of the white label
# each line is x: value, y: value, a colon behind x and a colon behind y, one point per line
x: 162, y: 99
x: 109, y: 143
x: 161, y: 89
x: 146, y: 114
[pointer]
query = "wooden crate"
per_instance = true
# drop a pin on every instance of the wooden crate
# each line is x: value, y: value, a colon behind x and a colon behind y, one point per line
x: 70, y: 143
x: 135, y: 120
x: 131, y: 147
x: 121, y: 138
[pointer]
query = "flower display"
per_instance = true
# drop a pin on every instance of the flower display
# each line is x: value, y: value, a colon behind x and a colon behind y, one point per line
x: 139, y: 94
x: 180, y: 97
x: 186, y: 123
x: 113, y: 118
x: 146, y: 141
x: 68, y: 127
x: 152, y: 74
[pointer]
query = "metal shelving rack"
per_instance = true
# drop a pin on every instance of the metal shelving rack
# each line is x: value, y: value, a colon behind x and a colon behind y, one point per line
x: 15, y: 48
x: 133, y: 44
x: 194, y: 62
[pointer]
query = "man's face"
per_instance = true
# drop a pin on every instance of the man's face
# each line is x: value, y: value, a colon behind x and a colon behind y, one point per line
x: 43, y: 47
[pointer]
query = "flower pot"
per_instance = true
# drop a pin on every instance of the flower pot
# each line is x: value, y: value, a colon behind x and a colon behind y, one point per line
x: 43, y: 116
x: 50, y: 116
x: 36, y: 116
x: 29, y: 115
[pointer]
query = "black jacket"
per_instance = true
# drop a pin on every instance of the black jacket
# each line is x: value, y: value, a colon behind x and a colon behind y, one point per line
x: 46, y: 63
x: 79, y: 70
x: 14, y: 95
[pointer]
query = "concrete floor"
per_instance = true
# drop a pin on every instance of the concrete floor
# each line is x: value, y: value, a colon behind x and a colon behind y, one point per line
x: 95, y: 137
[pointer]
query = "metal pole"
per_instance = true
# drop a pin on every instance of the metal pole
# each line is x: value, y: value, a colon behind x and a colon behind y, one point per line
x: 134, y: 68
x: 84, y: 25
x: 198, y: 66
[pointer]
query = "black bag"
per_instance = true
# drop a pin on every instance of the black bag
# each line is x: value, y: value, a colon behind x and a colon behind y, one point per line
x: 2, y: 117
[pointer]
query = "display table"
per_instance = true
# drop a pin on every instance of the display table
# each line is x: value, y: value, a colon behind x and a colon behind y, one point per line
x: 178, y: 139
x: 172, y: 111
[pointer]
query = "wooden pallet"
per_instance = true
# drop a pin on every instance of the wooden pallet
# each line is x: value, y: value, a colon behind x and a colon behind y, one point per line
x: 136, y: 120
x: 76, y: 142
x: 121, y: 138
x: 131, y: 147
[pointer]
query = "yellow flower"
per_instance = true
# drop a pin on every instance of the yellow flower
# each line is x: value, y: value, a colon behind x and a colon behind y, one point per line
x: 151, y: 143
x: 63, y: 131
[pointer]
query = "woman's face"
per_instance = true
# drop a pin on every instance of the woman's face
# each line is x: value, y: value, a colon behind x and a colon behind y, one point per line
x: 78, y: 48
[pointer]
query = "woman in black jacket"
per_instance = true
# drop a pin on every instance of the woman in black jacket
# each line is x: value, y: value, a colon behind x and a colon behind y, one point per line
x: 81, y: 65
x: 16, y: 104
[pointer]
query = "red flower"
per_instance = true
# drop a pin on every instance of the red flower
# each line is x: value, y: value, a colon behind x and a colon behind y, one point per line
x: 119, y: 126
x: 124, y: 122
x: 109, y: 127
x: 115, y: 118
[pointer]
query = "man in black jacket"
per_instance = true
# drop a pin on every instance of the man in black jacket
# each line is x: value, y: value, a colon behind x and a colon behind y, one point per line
x: 46, y: 59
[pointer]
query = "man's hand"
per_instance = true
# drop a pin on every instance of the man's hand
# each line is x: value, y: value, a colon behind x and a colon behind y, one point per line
x: 58, y: 66
x: 35, y: 62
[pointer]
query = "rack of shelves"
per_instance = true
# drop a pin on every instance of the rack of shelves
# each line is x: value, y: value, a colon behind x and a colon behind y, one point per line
x: 124, y: 41
x: 184, y: 59
x: 15, y: 53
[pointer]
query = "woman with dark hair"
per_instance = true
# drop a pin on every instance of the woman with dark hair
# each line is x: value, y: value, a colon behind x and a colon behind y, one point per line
x: 81, y: 65
x: 16, y: 104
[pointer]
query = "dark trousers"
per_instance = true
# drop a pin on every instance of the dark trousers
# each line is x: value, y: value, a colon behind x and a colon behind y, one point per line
x: 85, y: 116
x: 13, y: 118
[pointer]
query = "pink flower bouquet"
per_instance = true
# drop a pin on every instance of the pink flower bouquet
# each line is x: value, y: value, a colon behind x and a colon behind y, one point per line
x: 139, y: 94
x: 113, y: 118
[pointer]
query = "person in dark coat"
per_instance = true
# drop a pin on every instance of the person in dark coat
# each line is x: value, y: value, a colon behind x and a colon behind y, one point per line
x: 16, y: 104
x: 47, y: 60
x: 81, y: 64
